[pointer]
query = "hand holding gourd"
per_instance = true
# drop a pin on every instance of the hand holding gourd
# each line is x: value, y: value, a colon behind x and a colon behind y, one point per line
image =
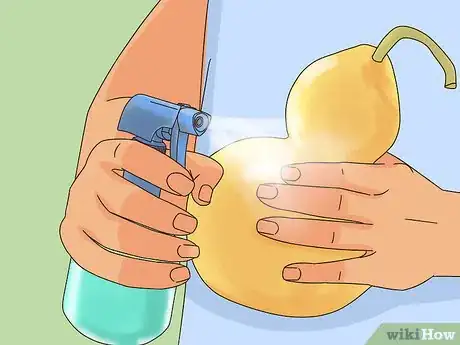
x: 405, y: 224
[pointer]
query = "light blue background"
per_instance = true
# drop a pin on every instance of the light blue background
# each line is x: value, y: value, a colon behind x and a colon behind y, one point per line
x: 257, y: 48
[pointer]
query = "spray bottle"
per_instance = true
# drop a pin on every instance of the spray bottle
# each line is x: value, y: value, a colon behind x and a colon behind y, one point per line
x: 108, y: 312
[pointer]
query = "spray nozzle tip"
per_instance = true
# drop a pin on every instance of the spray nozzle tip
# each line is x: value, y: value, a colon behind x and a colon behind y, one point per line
x: 201, y: 122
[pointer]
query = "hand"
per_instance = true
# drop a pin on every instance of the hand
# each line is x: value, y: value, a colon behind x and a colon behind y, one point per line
x: 407, y: 226
x: 107, y: 214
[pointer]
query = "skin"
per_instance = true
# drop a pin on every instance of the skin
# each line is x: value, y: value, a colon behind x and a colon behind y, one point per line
x: 108, y: 224
x: 401, y: 219
x: 407, y: 225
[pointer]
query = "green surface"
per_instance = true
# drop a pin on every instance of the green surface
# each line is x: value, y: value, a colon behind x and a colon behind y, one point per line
x: 53, y: 58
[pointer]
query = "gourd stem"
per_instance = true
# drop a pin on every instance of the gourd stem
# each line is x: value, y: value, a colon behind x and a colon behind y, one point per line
x: 403, y: 32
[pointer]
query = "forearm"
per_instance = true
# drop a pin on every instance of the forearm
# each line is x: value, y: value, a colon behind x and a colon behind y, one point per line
x: 448, y: 262
x: 164, y: 59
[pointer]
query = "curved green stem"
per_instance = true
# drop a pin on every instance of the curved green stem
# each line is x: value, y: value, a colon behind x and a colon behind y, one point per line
x: 403, y: 32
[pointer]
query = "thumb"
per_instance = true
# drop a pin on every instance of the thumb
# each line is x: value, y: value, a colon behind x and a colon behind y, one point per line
x: 353, y: 271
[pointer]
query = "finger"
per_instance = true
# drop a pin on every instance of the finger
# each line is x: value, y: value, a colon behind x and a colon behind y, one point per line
x: 317, y: 233
x: 317, y: 201
x: 123, y: 236
x: 207, y: 174
x: 126, y: 200
x: 123, y: 270
x: 371, y: 179
x: 354, y: 271
x: 144, y: 162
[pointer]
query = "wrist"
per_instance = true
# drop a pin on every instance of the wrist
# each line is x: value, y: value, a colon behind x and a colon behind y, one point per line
x: 448, y: 264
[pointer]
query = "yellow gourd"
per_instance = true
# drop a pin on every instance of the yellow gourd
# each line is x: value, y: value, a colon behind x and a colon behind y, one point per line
x: 342, y: 107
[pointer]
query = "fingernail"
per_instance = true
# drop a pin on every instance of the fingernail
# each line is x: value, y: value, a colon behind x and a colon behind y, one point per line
x: 180, y: 183
x: 267, y: 227
x: 205, y: 193
x: 185, y: 223
x: 290, y: 173
x: 291, y: 273
x: 188, y: 251
x: 267, y: 192
x: 179, y: 274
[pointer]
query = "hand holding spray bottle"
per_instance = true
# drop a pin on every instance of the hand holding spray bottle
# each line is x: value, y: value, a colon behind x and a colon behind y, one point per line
x: 108, y: 312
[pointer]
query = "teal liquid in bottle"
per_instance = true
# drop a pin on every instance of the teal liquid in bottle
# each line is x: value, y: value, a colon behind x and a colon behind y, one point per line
x: 111, y: 313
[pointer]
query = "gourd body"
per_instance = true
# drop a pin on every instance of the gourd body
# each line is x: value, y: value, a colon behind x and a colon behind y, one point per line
x: 343, y: 107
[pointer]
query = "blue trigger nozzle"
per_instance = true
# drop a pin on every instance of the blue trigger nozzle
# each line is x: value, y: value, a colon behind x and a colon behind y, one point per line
x: 152, y: 121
